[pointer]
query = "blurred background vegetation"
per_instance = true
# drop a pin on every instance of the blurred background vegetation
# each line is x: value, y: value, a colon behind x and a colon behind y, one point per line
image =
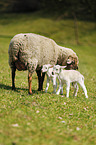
x: 83, y: 9
x: 65, y: 21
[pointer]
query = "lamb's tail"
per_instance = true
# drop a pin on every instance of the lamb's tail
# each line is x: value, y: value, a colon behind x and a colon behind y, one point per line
x: 82, y: 78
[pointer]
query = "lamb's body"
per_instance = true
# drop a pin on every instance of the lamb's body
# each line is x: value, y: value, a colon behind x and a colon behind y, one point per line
x: 31, y: 51
x: 72, y: 76
x: 69, y: 76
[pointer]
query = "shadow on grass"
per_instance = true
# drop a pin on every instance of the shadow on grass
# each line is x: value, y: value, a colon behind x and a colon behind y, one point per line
x: 6, y: 87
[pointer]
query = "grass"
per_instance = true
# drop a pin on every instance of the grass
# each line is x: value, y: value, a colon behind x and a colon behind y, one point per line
x: 45, y: 118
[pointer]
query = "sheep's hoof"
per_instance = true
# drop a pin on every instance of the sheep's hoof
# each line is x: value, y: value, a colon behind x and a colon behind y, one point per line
x: 13, y: 88
x: 40, y: 89
x: 30, y: 93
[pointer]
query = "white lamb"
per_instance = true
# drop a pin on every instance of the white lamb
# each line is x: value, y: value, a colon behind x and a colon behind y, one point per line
x: 46, y: 68
x: 69, y: 76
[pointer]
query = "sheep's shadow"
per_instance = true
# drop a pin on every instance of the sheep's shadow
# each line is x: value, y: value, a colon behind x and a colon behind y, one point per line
x: 6, y: 87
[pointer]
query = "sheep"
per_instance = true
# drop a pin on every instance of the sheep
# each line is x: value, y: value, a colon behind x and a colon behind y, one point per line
x: 49, y: 69
x: 69, y: 76
x: 31, y: 51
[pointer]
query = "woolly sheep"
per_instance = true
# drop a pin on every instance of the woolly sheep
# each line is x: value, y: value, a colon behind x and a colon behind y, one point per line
x: 69, y: 76
x: 46, y: 68
x: 31, y: 51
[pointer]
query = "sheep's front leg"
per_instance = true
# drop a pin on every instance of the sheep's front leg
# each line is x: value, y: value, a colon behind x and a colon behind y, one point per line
x: 40, y: 79
x: 67, y: 89
x: 30, y: 82
x: 47, y: 85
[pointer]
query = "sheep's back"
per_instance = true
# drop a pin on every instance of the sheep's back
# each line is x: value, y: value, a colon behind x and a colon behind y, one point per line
x: 25, y: 47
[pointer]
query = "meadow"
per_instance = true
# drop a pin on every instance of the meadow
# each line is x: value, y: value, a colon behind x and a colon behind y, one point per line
x: 46, y: 118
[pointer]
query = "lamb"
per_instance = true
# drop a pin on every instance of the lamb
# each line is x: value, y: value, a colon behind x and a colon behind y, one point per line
x: 31, y: 51
x: 69, y: 76
x: 49, y: 70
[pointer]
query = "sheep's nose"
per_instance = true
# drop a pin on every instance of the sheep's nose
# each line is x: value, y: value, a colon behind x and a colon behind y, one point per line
x: 52, y: 73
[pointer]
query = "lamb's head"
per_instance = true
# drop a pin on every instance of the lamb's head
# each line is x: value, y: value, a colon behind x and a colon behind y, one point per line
x: 72, y: 63
x: 46, y: 67
x: 57, y: 69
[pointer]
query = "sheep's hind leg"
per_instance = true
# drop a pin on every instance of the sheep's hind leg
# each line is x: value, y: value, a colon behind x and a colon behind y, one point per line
x: 30, y: 82
x: 13, y: 77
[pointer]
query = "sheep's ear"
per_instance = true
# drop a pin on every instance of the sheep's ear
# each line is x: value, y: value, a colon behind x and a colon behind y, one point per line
x: 69, y: 61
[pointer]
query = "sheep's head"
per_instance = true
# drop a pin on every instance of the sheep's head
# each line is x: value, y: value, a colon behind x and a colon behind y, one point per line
x: 72, y: 63
x: 46, y: 67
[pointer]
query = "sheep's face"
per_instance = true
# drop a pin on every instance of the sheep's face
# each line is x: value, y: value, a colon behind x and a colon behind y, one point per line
x: 72, y: 63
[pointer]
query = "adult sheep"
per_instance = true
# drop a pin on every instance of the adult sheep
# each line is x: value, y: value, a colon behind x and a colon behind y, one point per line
x: 31, y: 51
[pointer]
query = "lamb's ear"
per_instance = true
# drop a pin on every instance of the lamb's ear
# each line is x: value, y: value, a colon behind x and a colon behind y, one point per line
x: 63, y: 67
x: 50, y: 65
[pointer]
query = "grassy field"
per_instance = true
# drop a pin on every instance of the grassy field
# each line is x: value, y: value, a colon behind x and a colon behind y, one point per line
x: 45, y: 118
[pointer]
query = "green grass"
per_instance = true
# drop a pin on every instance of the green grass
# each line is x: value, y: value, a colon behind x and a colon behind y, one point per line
x: 45, y: 118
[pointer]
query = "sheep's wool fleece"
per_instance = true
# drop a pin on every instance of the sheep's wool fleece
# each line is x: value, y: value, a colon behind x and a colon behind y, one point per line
x: 34, y: 50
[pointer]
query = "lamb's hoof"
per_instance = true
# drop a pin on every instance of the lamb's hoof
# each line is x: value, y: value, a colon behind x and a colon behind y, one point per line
x: 54, y: 92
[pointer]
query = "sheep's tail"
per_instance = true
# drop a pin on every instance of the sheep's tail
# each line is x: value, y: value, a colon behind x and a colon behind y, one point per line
x: 13, y: 54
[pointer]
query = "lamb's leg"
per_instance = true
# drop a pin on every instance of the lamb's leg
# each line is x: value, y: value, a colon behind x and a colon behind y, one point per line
x: 60, y: 87
x: 47, y: 85
x: 67, y: 89
x: 30, y: 82
x: 84, y: 88
x: 54, y: 88
x: 75, y: 89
